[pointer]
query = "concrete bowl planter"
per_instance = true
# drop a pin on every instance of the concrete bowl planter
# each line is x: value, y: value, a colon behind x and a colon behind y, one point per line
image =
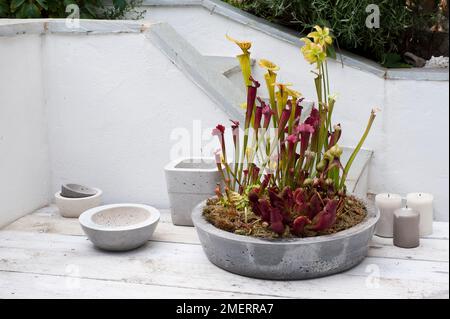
x: 74, y: 207
x: 120, y: 227
x: 190, y: 180
x: 285, y: 259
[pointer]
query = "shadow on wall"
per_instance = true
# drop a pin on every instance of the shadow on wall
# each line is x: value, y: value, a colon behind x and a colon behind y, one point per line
x: 24, y: 157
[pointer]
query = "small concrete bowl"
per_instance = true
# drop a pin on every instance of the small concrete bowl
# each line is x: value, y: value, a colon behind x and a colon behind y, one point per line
x: 76, y: 191
x: 120, y: 227
x: 73, y: 207
x: 285, y: 259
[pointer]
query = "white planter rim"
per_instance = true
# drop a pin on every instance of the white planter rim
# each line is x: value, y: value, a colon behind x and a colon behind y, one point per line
x: 172, y: 166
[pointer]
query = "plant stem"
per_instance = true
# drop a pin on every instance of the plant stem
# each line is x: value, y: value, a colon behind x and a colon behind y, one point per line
x: 322, y: 114
x: 241, y: 164
x: 358, y: 147
x: 236, y: 160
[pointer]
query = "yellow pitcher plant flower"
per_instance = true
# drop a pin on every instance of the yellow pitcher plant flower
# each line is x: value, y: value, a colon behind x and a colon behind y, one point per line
x: 293, y: 93
x: 321, y: 36
x: 282, y: 95
x: 244, y: 45
x: 313, y: 52
x: 271, y: 78
x: 282, y: 86
x: 270, y: 66
x: 244, y: 58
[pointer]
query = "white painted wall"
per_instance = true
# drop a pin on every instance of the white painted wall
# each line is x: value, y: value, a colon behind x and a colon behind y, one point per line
x: 102, y: 110
x: 24, y: 165
x: 416, y: 128
x: 410, y: 136
x: 115, y: 101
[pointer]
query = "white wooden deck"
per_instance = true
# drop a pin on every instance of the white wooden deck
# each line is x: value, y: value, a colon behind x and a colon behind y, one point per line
x: 43, y: 255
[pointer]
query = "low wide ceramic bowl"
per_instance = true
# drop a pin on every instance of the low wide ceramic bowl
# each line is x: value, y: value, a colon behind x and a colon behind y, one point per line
x: 120, y: 227
x: 73, y: 207
x: 285, y: 259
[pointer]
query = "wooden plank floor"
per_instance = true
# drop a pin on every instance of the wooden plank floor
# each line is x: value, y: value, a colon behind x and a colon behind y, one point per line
x: 43, y: 255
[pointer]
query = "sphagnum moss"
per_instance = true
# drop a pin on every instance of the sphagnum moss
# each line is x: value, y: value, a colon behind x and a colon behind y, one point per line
x: 239, y: 222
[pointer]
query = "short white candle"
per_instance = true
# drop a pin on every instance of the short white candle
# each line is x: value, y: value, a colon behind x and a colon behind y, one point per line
x: 406, y: 228
x: 423, y: 204
x: 387, y: 204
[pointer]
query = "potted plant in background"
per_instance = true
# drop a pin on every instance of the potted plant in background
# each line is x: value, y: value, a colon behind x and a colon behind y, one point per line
x: 284, y: 211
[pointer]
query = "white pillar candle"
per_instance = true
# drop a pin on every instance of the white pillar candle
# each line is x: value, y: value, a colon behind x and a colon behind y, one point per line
x: 423, y: 204
x: 387, y: 204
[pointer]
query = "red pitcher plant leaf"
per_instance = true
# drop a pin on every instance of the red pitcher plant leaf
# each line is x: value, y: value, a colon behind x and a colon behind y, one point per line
x: 325, y: 218
x: 276, y: 221
x: 298, y: 226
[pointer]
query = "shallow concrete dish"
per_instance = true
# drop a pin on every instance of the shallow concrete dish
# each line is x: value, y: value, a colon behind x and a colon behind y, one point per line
x: 285, y: 259
x: 120, y: 227
x: 73, y: 207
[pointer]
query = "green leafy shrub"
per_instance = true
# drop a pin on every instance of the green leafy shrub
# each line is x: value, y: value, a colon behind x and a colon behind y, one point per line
x: 89, y: 9
x: 399, y: 21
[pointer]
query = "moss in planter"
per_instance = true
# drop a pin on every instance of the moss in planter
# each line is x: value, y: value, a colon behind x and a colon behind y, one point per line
x: 245, y: 222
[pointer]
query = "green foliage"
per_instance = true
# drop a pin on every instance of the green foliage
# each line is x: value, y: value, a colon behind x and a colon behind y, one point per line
x: 88, y: 9
x: 4, y: 8
x: 394, y: 60
x: 346, y: 18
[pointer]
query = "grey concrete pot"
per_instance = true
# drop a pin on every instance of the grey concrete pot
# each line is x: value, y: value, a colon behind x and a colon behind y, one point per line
x: 120, y: 227
x: 76, y: 191
x: 285, y: 259
x: 189, y: 181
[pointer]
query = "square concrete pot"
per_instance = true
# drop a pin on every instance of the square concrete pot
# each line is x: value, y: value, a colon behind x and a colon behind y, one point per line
x: 189, y: 182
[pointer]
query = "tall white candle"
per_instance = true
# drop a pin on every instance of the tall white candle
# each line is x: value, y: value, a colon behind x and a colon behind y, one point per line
x: 387, y: 204
x: 423, y: 204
